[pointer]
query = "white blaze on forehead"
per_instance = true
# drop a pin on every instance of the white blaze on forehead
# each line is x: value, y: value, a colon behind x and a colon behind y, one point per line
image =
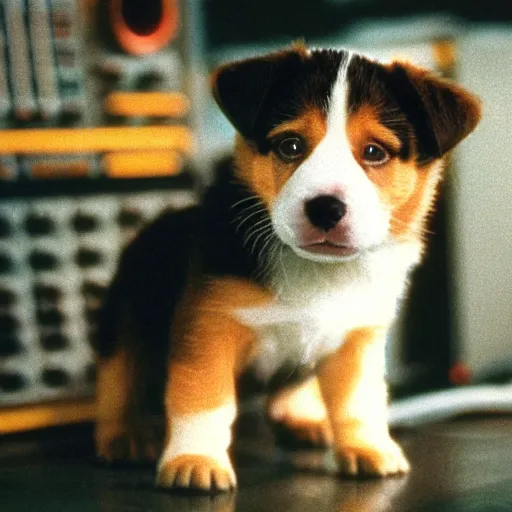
x: 332, y: 169
x: 337, y: 111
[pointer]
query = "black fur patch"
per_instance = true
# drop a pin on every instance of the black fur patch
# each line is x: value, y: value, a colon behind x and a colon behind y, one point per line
x: 411, y: 104
x: 420, y: 108
x: 369, y: 84
x: 215, y: 239
x: 259, y: 94
x: 150, y: 280
x: 236, y: 234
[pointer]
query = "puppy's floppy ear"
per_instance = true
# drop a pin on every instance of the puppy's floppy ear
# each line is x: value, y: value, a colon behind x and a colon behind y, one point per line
x: 441, y: 112
x: 242, y: 89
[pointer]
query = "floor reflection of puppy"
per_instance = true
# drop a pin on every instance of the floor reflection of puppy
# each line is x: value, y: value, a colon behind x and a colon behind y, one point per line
x: 296, y: 258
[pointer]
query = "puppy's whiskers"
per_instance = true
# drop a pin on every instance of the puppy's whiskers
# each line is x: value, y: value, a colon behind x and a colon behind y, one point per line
x: 247, y: 217
x: 244, y: 200
x: 262, y: 232
x: 255, y: 229
x: 266, y: 254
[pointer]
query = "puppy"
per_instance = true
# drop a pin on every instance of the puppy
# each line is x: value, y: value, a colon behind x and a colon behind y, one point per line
x: 296, y: 258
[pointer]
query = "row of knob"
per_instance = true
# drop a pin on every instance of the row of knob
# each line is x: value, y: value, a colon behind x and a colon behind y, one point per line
x: 57, y: 256
x: 46, y: 317
x: 13, y: 381
x: 40, y: 260
x: 43, y: 225
x: 51, y: 294
x: 43, y: 260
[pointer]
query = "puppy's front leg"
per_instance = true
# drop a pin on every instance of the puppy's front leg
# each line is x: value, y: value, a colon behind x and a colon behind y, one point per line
x: 354, y: 391
x: 210, y: 349
x: 198, y: 432
x: 200, y: 405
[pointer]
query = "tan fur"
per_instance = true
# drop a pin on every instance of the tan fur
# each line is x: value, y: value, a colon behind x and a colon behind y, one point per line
x: 409, y: 218
x: 211, y: 346
x: 211, y: 350
x: 113, y: 392
x: 122, y: 431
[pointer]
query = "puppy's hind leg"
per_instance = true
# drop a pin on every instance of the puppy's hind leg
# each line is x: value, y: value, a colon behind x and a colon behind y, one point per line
x: 300, y: 416
x: 128, y: 426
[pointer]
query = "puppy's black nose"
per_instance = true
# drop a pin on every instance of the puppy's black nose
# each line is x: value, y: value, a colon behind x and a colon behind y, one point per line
x: 324, y: 212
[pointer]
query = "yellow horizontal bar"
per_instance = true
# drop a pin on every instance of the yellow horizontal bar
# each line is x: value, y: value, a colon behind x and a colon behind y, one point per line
x: 94, y: 140
x: 142, y: 164
x: 147, y: 104
x: 30, y: 417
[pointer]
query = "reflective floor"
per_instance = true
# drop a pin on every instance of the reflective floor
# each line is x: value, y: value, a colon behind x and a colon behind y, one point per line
x: 461, y: 466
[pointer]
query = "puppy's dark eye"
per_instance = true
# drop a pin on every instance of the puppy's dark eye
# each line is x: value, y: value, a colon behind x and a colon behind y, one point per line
x: 375, y: 155
x: 289, y: 148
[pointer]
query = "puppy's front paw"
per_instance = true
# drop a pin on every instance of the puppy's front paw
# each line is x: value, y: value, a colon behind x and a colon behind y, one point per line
x: 198, y: 472
x: 371, y: 459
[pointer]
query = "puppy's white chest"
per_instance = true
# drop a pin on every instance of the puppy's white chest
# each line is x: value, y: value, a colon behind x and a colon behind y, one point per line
x: 311, y: 316
x: 301, y: 334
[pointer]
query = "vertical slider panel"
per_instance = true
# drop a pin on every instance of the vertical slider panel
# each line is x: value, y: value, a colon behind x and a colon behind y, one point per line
x: 63, y: 18
x: 5, y: 98
x: 67, y: 36
x: 64, y: 25
x: 20, y: 69
x: 43, y: 59
x: 139, y: 164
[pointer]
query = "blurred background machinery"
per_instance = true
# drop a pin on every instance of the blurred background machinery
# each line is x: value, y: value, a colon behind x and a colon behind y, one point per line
x: 97, y: 136
x: 106, y: 120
